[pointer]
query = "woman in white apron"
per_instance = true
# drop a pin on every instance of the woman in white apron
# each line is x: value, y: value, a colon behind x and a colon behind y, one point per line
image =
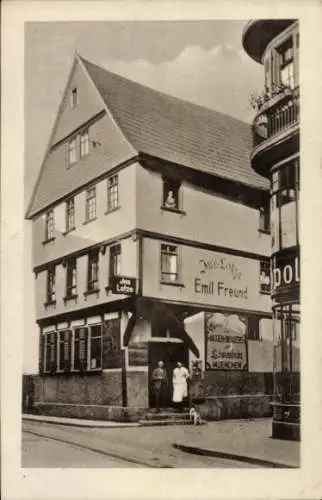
x: 180, y: 387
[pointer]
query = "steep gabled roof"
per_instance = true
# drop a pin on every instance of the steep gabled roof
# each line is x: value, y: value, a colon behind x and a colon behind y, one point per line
x: 164, y: 127
x: 178, y: 131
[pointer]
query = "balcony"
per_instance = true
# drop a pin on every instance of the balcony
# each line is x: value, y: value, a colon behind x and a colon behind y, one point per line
x: 275, y: 128
x: 281, y: 113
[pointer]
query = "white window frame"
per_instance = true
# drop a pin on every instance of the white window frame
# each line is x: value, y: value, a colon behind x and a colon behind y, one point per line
x: 69, y: 210
x: 84, y: 144
x: 177, y: 273
x: 72, y: 151
x: 91, y: 213
x: 49, y: 225
x: 113, y: 193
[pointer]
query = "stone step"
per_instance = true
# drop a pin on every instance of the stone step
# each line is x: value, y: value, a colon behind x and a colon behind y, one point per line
x: 166, y: 416
x: 173, y: 421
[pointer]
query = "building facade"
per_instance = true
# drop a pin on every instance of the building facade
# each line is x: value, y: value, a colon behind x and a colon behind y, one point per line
x: 150, y: 241
x: 276, y: 156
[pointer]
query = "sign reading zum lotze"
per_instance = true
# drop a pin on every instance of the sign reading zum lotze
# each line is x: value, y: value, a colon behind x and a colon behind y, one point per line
x: 123, y: 285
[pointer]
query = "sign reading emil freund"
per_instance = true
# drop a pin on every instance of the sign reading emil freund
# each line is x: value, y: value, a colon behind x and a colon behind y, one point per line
x: 123, y: 285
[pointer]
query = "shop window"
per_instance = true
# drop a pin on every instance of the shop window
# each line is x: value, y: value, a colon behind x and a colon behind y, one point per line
x: 169, y: 263
x: 171, y: 192
x: 73, y: 98
x: 71, y: 278
x: 84, y: 144
x: 49, y: 226
x: 265, y: 276
x: 91, y: 204
x: 72, y: 153
x: 63, y: 350
x: 286, y: 63
x: 51, y: 285
x: 115, y: 260
x: 112, y: 193
x: 70, y: 214
x: 264, y: 219
x: 80, y: 340
x: 92, y: 271
x: 95, y: 347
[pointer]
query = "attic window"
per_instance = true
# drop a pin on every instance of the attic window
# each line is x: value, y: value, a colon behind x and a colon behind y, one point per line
x: 171, y: 194
x: 73, y: 98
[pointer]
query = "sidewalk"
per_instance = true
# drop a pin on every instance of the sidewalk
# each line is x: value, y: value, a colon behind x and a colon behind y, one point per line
x: 77, y: 422
x: 246, y: 440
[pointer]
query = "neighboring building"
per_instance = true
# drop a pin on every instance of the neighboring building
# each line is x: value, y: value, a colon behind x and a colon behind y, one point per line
x: 146, y: 216
x: 276, y: 156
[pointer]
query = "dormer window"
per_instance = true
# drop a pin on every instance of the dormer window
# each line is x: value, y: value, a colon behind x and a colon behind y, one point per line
x: 171, y: 190
x: 73, y: 98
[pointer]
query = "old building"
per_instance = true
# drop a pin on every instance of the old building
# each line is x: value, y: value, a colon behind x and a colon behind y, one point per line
x: 151, y: 241
x: 276, y: 156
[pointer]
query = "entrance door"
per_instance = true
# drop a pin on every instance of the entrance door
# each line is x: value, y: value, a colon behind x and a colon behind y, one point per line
x: 170, y: 353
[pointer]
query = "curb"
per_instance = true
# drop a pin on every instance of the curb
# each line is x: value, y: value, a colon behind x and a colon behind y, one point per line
x: 81, y: 423
x: 232, y: 456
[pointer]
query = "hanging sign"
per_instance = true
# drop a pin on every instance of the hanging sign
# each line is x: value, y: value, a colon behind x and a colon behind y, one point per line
x: 123, y: 285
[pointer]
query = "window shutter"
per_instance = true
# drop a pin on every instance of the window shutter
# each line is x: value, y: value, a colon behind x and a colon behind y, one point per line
x: 67, y: 350
x: 83, y: 342
x: 41, y: 353
x: 53, y: 352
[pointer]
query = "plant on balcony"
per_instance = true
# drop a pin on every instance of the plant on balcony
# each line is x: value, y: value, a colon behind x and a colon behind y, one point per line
x: 258, y: 100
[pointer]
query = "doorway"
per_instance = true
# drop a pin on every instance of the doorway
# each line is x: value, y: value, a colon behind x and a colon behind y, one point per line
x: 170, y: 353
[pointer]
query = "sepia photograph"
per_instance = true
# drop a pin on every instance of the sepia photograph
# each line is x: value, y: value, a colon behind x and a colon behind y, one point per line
x: 162, y: 272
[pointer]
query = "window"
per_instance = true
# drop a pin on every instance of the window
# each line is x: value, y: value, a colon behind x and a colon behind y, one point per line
x: 73, y: 98
x: 264, y: 219
x: 284, y: 197
x: 169, y: 263
x: 112, y: 193
x: 91, y: 204
x: 286, y: 63
x: 72, y: 156
x: 265, y: 276
x: 84, y: 144
x: 51, y: 285
x: 49, y: 225
x: 70, y: 214
x: 92, y: 273
x: 80, y: 349
x: 71, y: 278
x: 171, y: 190
x: 115, y: 260
x: 95, y: 347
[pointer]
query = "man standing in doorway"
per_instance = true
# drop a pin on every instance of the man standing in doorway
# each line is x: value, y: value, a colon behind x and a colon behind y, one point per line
x: 160, y: 385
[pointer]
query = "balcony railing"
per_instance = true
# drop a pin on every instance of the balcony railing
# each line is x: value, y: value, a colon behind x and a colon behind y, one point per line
x: 277, y: 115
